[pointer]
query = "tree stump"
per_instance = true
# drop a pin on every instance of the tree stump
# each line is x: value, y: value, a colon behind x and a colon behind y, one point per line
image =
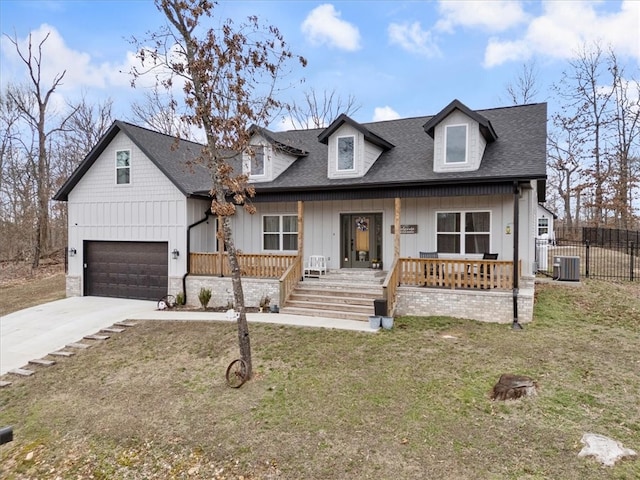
x: 511, y: 387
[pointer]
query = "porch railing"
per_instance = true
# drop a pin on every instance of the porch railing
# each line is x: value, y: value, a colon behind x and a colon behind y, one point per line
x: 251, y: 264
x: 390, y: 287
x: 290, y: 279
x: 456, y: 273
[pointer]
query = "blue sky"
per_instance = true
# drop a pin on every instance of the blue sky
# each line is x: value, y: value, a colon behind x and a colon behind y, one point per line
x: 397, y: 58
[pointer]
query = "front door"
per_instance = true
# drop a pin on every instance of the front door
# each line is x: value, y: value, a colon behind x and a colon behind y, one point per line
x: 361, y: 239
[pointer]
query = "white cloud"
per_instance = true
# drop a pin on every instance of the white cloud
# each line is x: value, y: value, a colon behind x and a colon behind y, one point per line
x: 385, y: 113
x: 490, y: 15
x: 57, y: 57
x: 413, y: 39
x: 323, y: 26
x: 565, y: 27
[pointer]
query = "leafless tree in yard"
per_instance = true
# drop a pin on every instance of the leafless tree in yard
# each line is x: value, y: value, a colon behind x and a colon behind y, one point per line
x: 319, y: 110
x: 229, y: 76
x: 33, y: 104
x: 625, y: 126
x: 157, y: 111
x: 586, y: 101
x: 525, y: 87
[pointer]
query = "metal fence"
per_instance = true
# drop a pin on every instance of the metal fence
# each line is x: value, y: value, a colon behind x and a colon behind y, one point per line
x: 602, y: 258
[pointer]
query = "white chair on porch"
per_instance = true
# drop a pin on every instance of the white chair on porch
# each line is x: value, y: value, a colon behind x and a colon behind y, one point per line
x: 315, y: 266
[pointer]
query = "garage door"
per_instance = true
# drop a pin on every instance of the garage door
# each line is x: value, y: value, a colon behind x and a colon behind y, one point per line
x: 126, y: 269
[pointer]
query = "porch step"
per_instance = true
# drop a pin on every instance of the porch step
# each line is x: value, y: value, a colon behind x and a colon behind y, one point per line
x: 309, y: 312
x: 339, y: 294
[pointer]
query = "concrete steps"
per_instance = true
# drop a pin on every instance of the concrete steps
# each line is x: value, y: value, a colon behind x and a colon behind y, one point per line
x: 343, y: 294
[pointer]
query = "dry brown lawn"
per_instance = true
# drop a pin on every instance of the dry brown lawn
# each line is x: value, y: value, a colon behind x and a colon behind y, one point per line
x: 325, y: 404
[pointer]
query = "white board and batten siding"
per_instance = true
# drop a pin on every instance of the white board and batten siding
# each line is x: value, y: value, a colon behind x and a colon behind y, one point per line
x: 148, y: 209
x: 322, y: 225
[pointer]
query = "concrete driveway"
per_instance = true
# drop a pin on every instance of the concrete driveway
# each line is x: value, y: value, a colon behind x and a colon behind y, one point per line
x: 34, y: 332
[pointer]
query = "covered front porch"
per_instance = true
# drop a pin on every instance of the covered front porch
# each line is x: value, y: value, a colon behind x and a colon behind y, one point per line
x: 410, y: 286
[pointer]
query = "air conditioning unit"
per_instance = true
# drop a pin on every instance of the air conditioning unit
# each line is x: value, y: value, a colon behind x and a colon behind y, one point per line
x: 566, y: 269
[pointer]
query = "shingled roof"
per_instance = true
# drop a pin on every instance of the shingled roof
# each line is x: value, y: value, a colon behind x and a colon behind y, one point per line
x: 518, y: 153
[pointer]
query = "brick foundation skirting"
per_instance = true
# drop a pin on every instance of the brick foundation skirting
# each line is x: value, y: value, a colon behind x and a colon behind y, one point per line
x: 484, y: 306
x: 222, y: 290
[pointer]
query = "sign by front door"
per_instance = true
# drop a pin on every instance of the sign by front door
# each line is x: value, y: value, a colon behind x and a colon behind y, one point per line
x: 406, y: 229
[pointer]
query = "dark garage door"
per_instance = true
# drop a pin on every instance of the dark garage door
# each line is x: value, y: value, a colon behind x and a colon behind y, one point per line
x: 126, y: 269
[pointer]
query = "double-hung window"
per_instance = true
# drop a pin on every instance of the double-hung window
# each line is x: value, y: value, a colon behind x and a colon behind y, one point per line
x: 123, y: 167
x: 280, y: 232
x: 456, y: 144
x: 543, y: 226
x: 346, y: 153
x: 463, y: 232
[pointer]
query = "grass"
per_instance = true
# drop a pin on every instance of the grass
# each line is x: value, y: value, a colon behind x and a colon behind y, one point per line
x: 324, y: 404
x: 40, y: 287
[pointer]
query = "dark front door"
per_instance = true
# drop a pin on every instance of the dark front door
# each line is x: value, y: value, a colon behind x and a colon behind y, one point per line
x: 361, y: 239
x: 126, y: 269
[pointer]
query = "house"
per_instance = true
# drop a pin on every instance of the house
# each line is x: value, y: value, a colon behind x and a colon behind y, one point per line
x: 461, y: 183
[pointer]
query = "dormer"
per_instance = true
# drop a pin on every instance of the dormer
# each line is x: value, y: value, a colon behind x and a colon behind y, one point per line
x: 352, y: 149
x: 266, y: 158
x: 460, y: 137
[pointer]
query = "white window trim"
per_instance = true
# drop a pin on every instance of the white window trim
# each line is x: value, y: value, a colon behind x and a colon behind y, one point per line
x: 343, y: 170
x: 466, y: 144
x: 545, y: 226
x: 122, y: 168
x: 462, y: 232
x: 280, y: 231
x: 262, y: 175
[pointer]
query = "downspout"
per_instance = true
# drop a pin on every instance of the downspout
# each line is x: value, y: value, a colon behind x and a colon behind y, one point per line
x: 516, y: 253
x: 184, y: 277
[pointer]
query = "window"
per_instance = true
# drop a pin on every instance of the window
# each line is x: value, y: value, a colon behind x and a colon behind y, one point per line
x: 543, y: 226
x: 280, y: 232
x: 346, y: 153
x: 256, y: 155
x: 463, y: 232
x: 456, y: 144
x: 123, y: 167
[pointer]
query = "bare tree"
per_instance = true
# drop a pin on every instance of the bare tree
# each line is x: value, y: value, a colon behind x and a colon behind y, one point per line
x: 39, y: 96
x: 524, y: 89
x: 625, y: 128
x: 586, y: 101
x: 564, y: 157
x: 318, y: 111
x: 157, y: 111
x: 230, y: 76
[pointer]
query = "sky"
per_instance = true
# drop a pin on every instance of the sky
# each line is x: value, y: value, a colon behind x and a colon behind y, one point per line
x: 395, y: 58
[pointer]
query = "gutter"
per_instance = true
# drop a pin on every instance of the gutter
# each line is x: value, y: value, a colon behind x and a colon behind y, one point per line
x: 516, y: 252
x: 207, y: 214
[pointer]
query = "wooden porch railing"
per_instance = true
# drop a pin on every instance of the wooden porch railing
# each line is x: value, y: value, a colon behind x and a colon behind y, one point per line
x: 390, y: 287
x: 251, y: 264
x: 290, y: 279
x: 454, y: 273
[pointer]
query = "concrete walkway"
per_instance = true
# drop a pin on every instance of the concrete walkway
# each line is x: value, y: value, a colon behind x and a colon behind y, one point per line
x: 37, y: 331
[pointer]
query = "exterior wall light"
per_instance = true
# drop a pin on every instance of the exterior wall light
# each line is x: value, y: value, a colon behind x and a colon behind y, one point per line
x: 72, y: 252
x: 175, y: 253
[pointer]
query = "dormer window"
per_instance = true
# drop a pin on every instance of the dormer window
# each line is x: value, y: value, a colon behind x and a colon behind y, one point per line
x: 123, y: 167
x: 256, y: 165
x: 346, y: 153
x: 456, y: 144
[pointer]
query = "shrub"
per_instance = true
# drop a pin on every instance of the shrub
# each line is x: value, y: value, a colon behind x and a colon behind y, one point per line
x: 204, y: 296
x: 179, y: 298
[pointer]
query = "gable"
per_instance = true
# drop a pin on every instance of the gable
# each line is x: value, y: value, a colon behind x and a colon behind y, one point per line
x: 474, y: 143
x: 274, y: 158
x: 98, y: 184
